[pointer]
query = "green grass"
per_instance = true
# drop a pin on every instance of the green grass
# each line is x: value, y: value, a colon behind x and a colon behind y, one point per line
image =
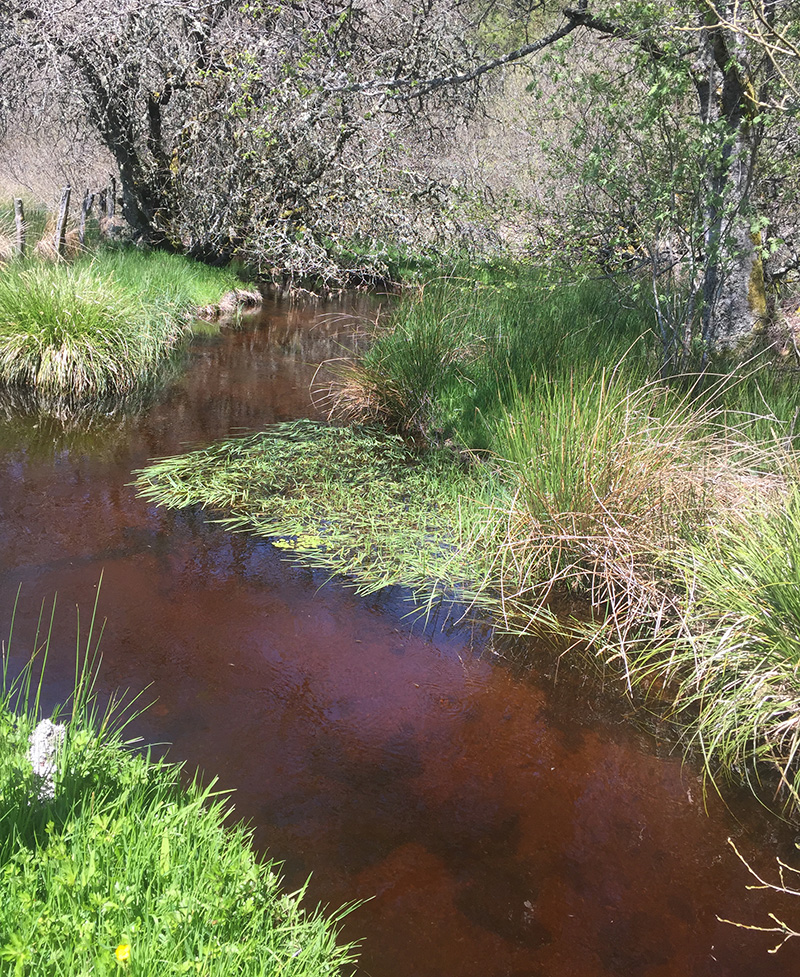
x: 451, y: 358
x: 345, y: 499
x: 100, y: 327
x: 158, y: 278
x: 732, y: 652
x: 120, y: 860
x: 66, y: 331
x: 550, y: 461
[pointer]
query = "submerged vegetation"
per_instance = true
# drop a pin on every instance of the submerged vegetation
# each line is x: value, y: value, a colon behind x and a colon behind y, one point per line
x: 349, y: 499
x: 110, y: 865
x: 101, y: 326
x: 550, y: 460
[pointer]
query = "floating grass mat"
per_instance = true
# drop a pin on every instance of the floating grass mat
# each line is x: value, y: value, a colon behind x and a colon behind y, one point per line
x: 351, y: 500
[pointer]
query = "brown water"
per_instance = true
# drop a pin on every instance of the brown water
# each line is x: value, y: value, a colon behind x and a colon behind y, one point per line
x: 502, y: 822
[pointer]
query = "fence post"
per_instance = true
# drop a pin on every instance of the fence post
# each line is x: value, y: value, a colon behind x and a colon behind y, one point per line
x: 19, y: 220
x: 86, y: 209
x: 61, y: 223
x: 111, y: 199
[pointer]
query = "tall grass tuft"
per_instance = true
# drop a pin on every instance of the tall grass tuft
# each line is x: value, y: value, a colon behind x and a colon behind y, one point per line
x: 169, y: 281
x: 115, y: 866
x: 604, y: 477
x: 100, y: 327
x: 450, y: 359
x: 67, y: 332
x: 734, y: 659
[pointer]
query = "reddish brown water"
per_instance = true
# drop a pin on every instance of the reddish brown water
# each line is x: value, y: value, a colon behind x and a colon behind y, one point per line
x: 502, y: 822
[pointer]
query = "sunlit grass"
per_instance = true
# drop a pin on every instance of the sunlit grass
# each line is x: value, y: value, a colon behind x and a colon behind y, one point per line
x: 348, y: 500
x: 158, y: 278
x: 100, y: 327
x: 447, y: 362
x: 66, y: 331
x: 109, y: 863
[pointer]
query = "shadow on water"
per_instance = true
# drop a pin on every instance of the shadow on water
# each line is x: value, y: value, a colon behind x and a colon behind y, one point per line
x: 502, y: 823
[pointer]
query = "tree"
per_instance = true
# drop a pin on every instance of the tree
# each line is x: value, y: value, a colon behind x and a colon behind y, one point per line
x: 737, y: 62
x: 227, y: 123
x: 280, y: 130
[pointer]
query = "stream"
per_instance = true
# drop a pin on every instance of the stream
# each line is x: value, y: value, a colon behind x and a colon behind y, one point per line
x: 502, y: 821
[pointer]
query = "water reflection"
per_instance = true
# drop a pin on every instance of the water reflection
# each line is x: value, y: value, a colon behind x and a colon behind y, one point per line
x: 500, y: 822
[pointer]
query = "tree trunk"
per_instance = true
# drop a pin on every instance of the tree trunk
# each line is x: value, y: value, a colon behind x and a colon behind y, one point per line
x: 734, y: 305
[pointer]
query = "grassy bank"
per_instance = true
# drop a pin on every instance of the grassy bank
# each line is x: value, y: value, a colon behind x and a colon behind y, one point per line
x: 551, y: 462
x: 101, y: 326
x: 110, y: 866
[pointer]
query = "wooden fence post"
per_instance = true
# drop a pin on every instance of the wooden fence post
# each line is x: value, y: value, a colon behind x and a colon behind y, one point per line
x: 61, y: 223
x: 111, y: 199
x: 86, y: 209
x: 19, y: 220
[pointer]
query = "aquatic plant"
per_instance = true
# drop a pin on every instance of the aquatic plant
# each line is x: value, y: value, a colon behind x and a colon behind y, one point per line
x: 349, y: 500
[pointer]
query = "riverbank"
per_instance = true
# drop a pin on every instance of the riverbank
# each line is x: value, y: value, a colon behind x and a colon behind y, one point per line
x: 101, y: 326
x: 551, y: 464
x: 111, y: 865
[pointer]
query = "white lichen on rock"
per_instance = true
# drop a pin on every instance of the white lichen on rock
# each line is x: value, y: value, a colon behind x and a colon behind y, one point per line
x: 44, y: 742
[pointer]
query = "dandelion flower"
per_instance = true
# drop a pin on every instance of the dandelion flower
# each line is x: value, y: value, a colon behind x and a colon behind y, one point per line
x: 123, y: 952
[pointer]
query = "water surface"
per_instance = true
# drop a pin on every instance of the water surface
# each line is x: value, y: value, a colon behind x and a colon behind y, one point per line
x: 502, y: 822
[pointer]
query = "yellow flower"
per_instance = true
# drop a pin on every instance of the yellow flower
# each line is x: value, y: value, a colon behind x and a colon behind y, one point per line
x: 123, y: 952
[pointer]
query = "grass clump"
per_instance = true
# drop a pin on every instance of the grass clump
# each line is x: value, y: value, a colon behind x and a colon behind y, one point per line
x: 603, y: 477
x: 100, y: 327
x: 733, y: 648
x: 68, y: 332
x: 109, y: 864
x: 451, y: 359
